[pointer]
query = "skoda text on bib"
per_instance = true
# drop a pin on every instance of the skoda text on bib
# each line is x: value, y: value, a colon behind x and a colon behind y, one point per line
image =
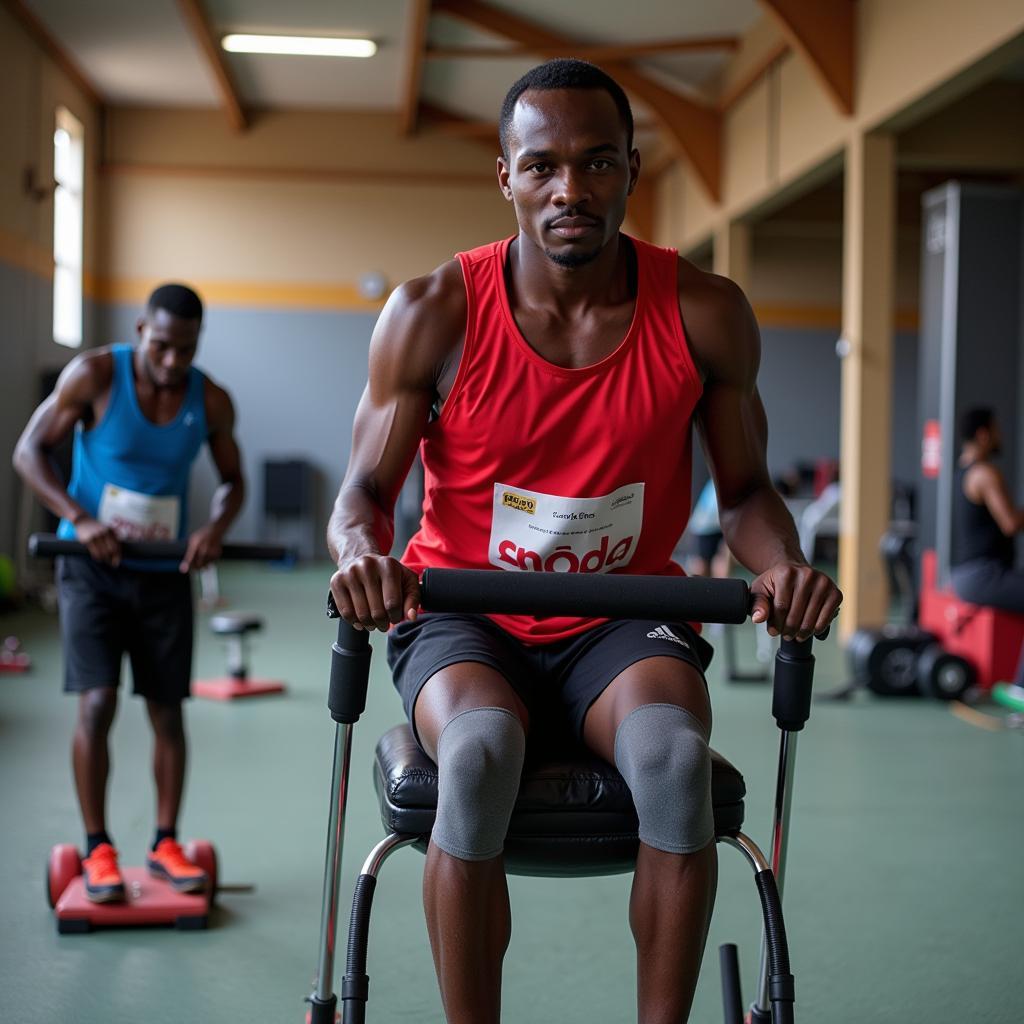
x: 536, y: 532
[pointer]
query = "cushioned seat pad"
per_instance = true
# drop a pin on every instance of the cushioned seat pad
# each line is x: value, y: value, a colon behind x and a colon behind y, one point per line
x: 573, y: 816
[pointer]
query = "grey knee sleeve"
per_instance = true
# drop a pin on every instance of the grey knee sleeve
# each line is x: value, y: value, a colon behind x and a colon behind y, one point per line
x: 479, y: 761
x: 662, y: 753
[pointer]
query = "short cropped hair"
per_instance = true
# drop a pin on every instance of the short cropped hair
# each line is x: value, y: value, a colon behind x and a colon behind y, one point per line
x: 177, y: 299
x: 974, y: 420
x: 564, y: 73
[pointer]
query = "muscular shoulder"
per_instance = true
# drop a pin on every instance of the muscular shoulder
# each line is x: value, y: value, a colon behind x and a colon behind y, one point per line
x: 981, y: 478
x: 720, y: 326
x: 87, y: 377
x: 422, y: 324
x: 220, y: 412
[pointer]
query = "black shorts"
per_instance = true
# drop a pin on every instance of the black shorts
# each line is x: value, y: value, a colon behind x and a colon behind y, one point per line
x: 107, y: 612
x: 561, y: 679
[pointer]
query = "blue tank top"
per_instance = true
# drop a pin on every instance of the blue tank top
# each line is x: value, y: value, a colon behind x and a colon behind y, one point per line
x: 132, y: 473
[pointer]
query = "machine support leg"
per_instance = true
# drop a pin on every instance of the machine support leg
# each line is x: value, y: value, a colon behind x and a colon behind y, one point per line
x: 324, y: 997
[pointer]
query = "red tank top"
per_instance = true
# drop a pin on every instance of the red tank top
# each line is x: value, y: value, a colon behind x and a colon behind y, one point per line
x: 533, y: 467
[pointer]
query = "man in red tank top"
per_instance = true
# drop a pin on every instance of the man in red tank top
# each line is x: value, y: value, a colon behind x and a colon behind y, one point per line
x: 550, y: 382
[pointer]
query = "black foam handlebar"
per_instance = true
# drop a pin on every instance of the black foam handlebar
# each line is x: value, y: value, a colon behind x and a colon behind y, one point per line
x: 48, y: 545
x: 675, y: 598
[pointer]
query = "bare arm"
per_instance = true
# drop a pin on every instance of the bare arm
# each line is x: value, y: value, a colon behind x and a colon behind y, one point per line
x: 204, y: 545
x: 985, y: 486
x: 83, y: 382
x: 793, y: 598
x: 422, y: 323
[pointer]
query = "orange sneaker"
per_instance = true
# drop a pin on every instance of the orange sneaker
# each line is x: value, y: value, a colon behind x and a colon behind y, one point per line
x: 168, y: 861
x: 103, y: 881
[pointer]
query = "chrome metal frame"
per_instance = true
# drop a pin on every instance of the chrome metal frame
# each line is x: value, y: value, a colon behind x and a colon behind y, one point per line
x: 380, y: 853
x: 332, y: 867
x: 751, y: 851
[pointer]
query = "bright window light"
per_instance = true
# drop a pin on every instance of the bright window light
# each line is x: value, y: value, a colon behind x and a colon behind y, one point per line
x: 68, y: 207
x: 306, y: 46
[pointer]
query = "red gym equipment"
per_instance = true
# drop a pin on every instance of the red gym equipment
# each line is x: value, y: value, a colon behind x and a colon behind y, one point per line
x: 235, y: 626
x: 12, y: 658
x: 149, y: 901
x: 989, y: 639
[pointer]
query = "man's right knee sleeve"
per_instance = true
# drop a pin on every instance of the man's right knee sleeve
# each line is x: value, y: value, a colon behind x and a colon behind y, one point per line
x: 480, y: 761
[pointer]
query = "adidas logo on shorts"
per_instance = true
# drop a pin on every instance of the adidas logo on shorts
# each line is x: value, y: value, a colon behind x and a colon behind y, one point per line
x: 664, y: 633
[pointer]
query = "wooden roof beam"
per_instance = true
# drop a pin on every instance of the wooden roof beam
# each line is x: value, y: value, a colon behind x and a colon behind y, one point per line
x: 825, y: 33
x: 202, y: 33
x: 592, y: 52
x: 419, y: 16
x: 694, y: 130
x: 49, y: 45
x: 456, y: 126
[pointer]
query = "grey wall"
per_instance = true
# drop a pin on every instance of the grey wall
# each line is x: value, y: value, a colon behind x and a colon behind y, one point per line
x: 20, y: 294
x: 27, y: 350
x: 295, y: 378
x: 800, y: 386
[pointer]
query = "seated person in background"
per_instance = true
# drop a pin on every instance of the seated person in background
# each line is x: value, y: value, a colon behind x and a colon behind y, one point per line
x: 139, y: 416
x: 985, y: 522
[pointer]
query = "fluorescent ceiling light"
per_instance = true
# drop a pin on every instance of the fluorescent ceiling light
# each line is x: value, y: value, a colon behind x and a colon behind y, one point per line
x: 307, y: 46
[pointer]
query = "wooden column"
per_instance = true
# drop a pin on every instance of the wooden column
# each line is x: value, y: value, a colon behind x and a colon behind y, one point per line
x: 731, y: 252
x: 869, y: 241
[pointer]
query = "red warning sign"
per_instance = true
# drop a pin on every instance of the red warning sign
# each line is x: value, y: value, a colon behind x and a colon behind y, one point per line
x: 931, y: 449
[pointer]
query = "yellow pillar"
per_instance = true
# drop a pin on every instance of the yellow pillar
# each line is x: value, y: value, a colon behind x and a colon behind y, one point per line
x: 731, y: 252
x: 866, y: 347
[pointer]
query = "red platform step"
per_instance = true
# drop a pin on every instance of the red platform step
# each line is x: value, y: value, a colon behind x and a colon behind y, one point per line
x: 228, y: 688
x: 988, y: 638
x: 149, y: 901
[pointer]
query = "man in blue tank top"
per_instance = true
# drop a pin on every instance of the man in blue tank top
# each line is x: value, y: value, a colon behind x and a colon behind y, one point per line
x: 140, y: 416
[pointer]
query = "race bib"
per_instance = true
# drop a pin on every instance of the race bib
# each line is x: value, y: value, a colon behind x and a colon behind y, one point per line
x: 535, y: 532
x: 135, y: 516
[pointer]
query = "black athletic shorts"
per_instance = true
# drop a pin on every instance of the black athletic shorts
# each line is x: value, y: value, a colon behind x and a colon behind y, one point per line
x: 561, y: 679
x: 107, y: 612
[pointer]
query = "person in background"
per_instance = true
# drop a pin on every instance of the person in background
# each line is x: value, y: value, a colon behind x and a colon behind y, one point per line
x: 985, y: 525
x: 710, y: 554
x: 140, y: 414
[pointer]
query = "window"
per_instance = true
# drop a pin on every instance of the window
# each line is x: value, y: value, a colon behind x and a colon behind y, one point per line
x: 69, y: 175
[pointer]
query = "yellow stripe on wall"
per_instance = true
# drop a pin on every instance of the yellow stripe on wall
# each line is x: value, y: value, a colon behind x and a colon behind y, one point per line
x: 261, y: 295
x: 28, y: 255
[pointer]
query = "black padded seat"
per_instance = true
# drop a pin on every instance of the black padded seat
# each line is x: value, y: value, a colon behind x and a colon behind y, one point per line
x: 235, y: 623
x: 573, y: 816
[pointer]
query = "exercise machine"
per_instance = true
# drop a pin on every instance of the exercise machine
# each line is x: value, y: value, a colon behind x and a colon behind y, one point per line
x: 903, y: 659
x: 574, y: 815
x: 235, y: 628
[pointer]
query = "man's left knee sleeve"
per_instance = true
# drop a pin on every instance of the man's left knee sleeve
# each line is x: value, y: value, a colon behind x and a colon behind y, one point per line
x: 662, y: 752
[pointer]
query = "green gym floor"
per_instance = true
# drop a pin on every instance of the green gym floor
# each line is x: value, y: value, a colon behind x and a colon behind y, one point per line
x: 904, y: 895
